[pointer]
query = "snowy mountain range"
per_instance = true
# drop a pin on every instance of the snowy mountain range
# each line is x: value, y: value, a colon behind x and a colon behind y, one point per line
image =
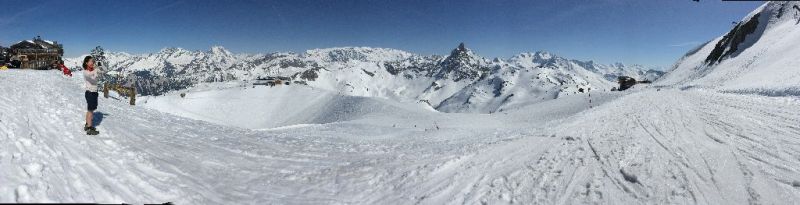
x: 459, y: 82
x: 759, y: 55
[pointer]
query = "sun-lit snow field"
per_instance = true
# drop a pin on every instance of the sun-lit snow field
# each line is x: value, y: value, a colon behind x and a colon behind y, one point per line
x: 673, y: 146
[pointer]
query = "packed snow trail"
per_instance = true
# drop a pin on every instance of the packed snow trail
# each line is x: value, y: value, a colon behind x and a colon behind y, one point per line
x: 693, y: 147
x: 652, y: 147
x: 665, y: 147
x: 696, y: 147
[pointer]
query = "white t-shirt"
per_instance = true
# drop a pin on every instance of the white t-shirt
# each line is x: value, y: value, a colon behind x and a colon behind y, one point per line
x: 90, y: 80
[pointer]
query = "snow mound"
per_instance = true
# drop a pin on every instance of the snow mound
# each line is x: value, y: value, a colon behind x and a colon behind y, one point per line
x: 261, y: 107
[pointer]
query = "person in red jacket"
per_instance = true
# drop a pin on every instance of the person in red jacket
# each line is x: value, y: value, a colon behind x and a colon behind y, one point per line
x: 64, y: 68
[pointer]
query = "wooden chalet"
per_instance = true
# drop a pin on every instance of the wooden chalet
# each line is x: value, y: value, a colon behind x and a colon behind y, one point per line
x: 35, y: 54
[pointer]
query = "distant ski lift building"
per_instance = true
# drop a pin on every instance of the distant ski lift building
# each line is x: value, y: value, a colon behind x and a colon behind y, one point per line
x: 272, y: 80
x: 35, y: 54
x: 626, y: 82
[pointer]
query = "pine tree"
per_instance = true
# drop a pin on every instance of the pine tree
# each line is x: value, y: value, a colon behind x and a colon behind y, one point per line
x: 99, y: 55
x: 100, y: 63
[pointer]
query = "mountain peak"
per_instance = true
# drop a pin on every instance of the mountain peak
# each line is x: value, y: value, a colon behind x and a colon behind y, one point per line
x: 171, y: 52
x: 461, y: 52
x: 220, y: 50
x: 462, y: 64
x: 537, y: 56
x: 345, y: 54
x: 543, y: 55
x: 167, y: 50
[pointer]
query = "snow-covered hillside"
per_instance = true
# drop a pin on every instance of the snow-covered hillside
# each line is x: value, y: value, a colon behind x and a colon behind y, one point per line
x: 459, y: 82
x: 759, y: 55
x: 264, y: 107
x: 640, y: 147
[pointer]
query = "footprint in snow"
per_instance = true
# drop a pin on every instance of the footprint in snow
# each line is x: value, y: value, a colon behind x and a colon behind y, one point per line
x: 34, y: 169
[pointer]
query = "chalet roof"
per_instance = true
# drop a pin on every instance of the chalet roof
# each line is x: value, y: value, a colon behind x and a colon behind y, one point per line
x: 36, y: 43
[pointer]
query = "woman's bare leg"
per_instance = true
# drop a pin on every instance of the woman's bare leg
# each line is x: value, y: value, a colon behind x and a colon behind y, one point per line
x: 89, y: 118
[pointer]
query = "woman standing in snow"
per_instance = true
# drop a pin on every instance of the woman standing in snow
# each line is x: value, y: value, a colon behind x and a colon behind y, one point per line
x: 90, y: 78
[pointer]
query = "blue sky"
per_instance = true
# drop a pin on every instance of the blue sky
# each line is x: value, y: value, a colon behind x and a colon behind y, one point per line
x: 649, y: 32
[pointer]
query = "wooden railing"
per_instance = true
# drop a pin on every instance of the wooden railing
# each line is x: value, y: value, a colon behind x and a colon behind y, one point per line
x: 122, y: 90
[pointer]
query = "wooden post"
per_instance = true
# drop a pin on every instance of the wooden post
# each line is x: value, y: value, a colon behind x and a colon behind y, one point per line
x: 105, y: 90
x: 133, y: 96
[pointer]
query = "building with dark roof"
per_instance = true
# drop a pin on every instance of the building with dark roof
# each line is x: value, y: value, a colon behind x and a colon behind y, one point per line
x: 35, y: 54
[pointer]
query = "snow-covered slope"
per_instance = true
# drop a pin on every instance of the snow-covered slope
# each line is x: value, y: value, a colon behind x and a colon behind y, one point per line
x: 264, y: 107
x: 759, y: 55
x: 645, y: 147
x: 460, y: 82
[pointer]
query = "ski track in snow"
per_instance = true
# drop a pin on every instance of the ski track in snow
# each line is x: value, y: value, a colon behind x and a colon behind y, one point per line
x: 693, y: 147
x: 651, y: 147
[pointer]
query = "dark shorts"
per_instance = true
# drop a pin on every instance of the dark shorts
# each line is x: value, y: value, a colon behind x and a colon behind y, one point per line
x: 91, y: 100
